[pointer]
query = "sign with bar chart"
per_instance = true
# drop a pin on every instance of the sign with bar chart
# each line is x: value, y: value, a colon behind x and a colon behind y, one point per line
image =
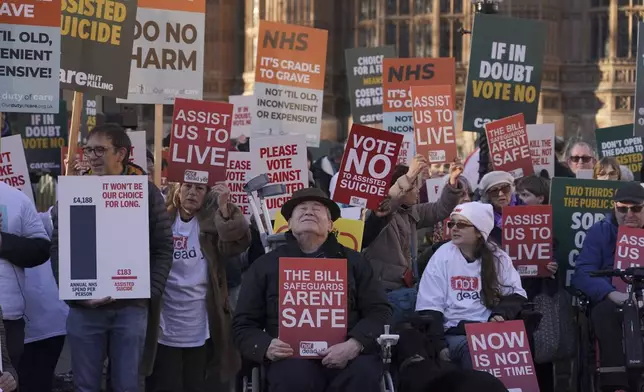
x: 103, y: 237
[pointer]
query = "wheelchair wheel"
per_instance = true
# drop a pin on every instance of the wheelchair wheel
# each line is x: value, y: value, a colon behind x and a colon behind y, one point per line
x: 256, y: 380
x: 387, y: 384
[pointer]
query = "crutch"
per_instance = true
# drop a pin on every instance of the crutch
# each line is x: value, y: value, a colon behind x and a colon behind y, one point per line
x: 253, y: 185
x: 272, y: 240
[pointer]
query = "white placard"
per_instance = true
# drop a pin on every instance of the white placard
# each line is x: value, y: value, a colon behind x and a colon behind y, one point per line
x: 13, y: 165
x: 138, y: 152
x: 435, y: 188
x: 237, y: 175
x: 542, y: 147
x: 283, y: 158
x: 103, y: 245
x: 354, y: 213
x: 244, y: 107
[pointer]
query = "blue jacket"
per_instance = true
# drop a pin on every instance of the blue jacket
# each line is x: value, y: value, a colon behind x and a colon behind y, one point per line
x: 597, y: 253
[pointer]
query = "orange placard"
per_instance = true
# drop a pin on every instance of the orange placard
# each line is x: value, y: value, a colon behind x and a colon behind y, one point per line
x: 291, y: 55
x: 434, y: 131
x: 400, y: 74
x: 30, y: 12
x: 175, y: 5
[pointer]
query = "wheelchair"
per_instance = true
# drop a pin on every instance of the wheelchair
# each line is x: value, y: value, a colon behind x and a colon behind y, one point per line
x: 255, y: 379
x: 588, y: 367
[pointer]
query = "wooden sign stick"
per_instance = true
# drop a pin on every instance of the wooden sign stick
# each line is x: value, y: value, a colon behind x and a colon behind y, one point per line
x: 74, y: 128
x: 158, y: 143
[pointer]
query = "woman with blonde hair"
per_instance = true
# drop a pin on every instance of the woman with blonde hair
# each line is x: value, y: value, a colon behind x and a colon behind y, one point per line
x: 194, y: 348
x: 607, y: 169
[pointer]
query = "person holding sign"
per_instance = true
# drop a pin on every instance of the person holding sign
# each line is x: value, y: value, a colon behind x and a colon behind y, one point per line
x: 352, y: 365
x: 195, y: 318
x: 596, y: 254
x: 469, y: 279
x: 91, y: 324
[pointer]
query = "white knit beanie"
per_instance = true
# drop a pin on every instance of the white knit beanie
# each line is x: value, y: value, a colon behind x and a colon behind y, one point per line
x: 481, y: 215
x: 495, y: 178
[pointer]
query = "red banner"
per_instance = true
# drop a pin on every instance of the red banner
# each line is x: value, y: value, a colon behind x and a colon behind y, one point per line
x: 629, y: 252
x: 367, y: 167
x: 199, y: 141
x: 527, y: 238
x: 502, y: 349
x: 509, y: 146
x: 434, y: 131
x: 313, y: 313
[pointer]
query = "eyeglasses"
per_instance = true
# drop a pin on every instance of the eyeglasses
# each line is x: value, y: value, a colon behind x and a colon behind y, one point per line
x: 459, y: 225
x: 495, y: 191
x: 577, y: 158
x: 98, y: 151
x: 624, y: 209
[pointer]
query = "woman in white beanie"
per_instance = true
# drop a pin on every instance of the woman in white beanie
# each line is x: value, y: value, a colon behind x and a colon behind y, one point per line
x: 469, y: 279
x: 497, y: 189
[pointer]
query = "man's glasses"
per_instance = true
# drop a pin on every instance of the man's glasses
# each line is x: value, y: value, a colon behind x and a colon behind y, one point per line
x: 624, y: 209
x: 584, y: 159
x: 98, y: 151
x: 504, y: 189
x: 459, y: 225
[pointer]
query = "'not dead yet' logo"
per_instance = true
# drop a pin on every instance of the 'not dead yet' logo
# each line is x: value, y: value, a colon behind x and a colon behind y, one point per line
x: 468, y: 287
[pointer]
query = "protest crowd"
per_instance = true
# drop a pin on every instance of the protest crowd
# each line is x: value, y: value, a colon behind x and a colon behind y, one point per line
x: 224, y: 257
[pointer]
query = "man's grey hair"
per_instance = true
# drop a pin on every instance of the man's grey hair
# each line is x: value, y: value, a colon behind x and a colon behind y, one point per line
x: 581, y: 144
x: 627, y: 174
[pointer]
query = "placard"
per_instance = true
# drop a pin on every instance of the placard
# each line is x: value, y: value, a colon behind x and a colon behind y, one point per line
x: 435, y: 188
x: 30, y: 60
x: 93, y: 262
x: 619, y: 142
x: 96, y: 47
x: 364, y: 76
x: 629, y: 252
x: 313, y: 310
x: 509, y: 147
x: 284, y: 160
x: 13, y: 165
x: 527, y: 238
x: 399, y: 76
x: 542, y: 147
x: 502, y: 349
x: 579, y: 205
x: 200, y: 141
x: 168, y: 52
x: 242, y: 115
x: 435, y: 135
x: 138, y: 152
x: 43, y: 135
x: 289, y: 81
x: 506, y: 64
x: 237, y: 175
x: 367, y: 167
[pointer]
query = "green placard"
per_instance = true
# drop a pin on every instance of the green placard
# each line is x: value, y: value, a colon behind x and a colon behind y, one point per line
x: 576, y: 206
x: 620, y: 143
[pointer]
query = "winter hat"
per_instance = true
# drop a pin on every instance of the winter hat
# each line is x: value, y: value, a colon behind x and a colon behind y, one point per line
x: 495, y: 178
x: 481, y: 215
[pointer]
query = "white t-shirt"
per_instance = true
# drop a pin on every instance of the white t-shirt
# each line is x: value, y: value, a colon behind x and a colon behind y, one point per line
x: 184, y: 318
x: 17, y: 216
x: 452, y: 286
x: 46, y: 314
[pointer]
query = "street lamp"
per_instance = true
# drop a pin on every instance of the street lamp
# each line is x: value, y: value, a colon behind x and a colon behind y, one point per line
x: 484, y: 7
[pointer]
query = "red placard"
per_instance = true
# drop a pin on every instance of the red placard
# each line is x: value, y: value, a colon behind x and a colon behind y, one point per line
x: 313, y: 312
x: 629, y: 252
x: 502, y: 349
x: 509, y: 146
x: 527, y: 238
x: 434, y: 131
x: 199, y: 141
x: 367, y: 166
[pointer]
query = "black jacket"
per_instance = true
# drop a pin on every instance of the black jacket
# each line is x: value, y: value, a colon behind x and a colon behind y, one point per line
x: 161, y: 245
x: 257, y: 313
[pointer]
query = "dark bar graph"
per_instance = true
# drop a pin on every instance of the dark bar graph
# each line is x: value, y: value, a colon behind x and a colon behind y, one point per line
x: 83, y: 263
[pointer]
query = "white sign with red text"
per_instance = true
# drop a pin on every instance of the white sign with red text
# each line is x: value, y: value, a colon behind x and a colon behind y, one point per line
x: 283, y: 159
x: 434, y: 188
x: 94, y: 263
x: 138, y: 152
x: 237, y: 175
x: 542, y: 147
x: 244, y: 106
x: 13, y: 165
